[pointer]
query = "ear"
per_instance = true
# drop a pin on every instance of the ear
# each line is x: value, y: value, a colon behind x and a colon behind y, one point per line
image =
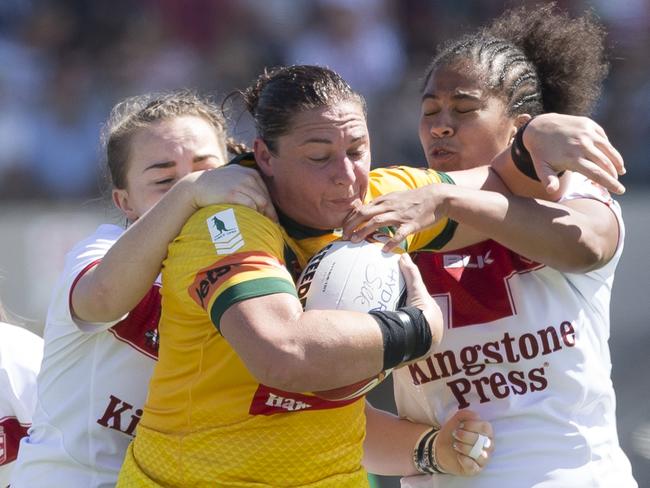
x: 263, y: 156
x: 121, y: 201
x: 518, y: 122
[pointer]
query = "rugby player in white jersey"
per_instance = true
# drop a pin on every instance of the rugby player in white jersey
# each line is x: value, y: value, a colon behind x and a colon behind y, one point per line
x: 20, y: 359
x: 101, y: 337
x: 527, y: 313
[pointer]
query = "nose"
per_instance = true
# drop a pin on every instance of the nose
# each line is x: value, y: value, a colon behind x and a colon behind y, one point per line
x: 184, y: 166
x: 344, y: 171
x: 441, y: 126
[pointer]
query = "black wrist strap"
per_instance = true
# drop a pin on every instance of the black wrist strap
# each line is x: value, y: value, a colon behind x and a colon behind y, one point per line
x: 406, y: 335
x: 521, y: 157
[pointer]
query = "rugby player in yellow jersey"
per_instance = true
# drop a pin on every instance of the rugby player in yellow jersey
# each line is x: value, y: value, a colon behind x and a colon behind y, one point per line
x: 229, y: 401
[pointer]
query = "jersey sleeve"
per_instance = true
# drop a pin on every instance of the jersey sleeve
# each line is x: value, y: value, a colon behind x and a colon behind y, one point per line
x: 401, y: 178
x: 83, y: 257
x: 225, y: 254
x: 581, y: 187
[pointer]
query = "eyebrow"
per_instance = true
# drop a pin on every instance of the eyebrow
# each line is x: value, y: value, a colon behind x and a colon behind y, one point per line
x: 171, y: 164
x: 458, y: 95
x: 318, y: 140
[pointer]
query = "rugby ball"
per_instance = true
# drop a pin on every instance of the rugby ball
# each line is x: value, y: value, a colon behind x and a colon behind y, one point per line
x: 352, y: 276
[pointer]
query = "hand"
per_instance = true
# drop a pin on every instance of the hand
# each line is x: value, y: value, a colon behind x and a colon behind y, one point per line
x: 560, y: 142
x: 407, y: 211
x: 231, y: 184
x: 418, y: 296
x: 455, y: 441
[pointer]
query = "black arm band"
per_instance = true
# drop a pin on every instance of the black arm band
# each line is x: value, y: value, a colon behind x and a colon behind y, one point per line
x: 406, y: 335
x: 521, y: 157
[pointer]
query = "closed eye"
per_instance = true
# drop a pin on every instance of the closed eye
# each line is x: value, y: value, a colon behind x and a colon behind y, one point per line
x: 466, y: 110
x: 319, y: 160
x: 166, y: 181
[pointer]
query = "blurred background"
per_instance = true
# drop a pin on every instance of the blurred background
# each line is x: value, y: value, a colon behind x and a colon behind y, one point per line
x: 64, y: 63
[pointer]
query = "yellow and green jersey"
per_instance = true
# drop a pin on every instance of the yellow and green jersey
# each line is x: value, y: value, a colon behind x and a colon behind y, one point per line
x: 207, y: 420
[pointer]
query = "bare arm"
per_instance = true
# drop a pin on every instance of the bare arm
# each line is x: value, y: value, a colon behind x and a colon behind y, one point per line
x: 389, y: 443
x: 127, y: 271
x: 295, y: 350
x: 559, y: 142
x: 578, y: 235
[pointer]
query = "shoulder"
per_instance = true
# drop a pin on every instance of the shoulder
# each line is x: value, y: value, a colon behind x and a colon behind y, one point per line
x: 220, y: 220
x: 96, y: 244
x: 219, y: 235
x: 399, y: 178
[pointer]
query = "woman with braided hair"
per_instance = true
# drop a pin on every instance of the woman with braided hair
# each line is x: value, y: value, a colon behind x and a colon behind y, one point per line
x: 527, y: 312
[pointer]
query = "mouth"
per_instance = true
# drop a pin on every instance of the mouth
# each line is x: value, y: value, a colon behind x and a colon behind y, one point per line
x: 440, y: 153
x: 347, y: 202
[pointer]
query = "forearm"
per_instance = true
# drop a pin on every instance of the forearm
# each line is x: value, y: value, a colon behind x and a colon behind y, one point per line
x: 329, y: 358
x: 522, y: 185
x: 292, y: 350
x: 549, y: 233
x: 116, y: 285
x: 388, y: 447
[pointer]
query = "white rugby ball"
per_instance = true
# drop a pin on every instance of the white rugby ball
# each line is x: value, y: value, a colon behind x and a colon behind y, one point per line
x: 352, y: 276
x: 348, y: 276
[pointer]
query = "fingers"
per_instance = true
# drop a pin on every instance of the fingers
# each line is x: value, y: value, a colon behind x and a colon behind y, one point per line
x: 473, y: 452
x: 399, y: 236
x: 475, y: 447
x: 412, y: 279
x: 361, y: 215
x: 611, y: 154
x: 547, y: 176
x: 411, y: 274
x: 464, y: 415
x: 595, y: 152
x: 596, y: 174
x: 610, y: 151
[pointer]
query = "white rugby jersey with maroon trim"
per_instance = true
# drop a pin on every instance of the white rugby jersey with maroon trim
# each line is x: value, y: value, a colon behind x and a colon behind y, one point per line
x: 20, y: 359
x: 92, y: 385
x: 525, y: 346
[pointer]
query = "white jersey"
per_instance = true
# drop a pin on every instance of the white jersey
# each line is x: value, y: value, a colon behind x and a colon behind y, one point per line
x: 92, y: 385
x: 20, y: 359
x: 525, y: 346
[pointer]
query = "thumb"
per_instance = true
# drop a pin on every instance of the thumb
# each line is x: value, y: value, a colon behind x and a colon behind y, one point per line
x: 548, y: 177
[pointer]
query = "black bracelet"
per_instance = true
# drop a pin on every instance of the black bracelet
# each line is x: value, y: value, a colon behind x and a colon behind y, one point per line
x: 424, y: 455
x: 406, y: 335
x: 521, y: 157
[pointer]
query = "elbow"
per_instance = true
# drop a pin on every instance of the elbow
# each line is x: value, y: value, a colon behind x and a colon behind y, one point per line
x: 593, y: 259
x: 587, y: 258
x: 94, y: 304
x: 280, y: 365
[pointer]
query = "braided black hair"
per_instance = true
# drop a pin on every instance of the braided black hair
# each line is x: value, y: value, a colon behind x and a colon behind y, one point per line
x: 536, y: 59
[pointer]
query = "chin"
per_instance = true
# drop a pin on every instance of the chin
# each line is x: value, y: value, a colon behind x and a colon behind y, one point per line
x: 442, y: 165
